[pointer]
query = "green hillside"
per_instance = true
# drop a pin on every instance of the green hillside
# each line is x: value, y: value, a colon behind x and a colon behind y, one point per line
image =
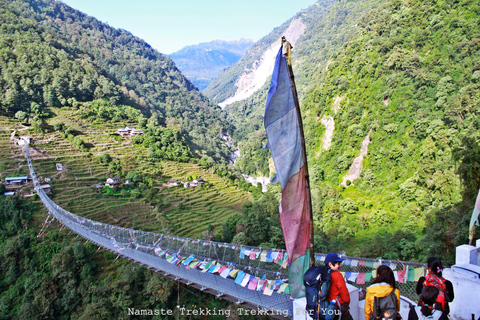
x: 147, y: 204
x: 405, y: 73
x: 54, y: 56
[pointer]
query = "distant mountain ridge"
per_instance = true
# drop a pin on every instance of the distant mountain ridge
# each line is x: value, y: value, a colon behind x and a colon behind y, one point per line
x: 201, y: 63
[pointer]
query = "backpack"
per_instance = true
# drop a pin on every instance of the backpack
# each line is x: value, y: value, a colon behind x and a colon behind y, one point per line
x: 385, y: 307
x: 317, y: 284
x: 434, y: 316
x: 442, y: 301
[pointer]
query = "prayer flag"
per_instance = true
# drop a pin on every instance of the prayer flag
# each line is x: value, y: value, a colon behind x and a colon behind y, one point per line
x: 269, y: 256
x: 209, y: 264
x: 282, y: 288
x: 252, y: 285
x: 221, y: 269
x: 361, y: 278
x: 279, y: 257
x: 189, y: 259
x: 284, y: 135
x: 239, y: 278
x: 263, y: 256
x: 245, y: 280
x: 212, y: 268
x: 474, y: 219
x: 368, y: 277
x: 353, y: 276
x: 275, y: 256
x: 278, y: 283
x: 411, y: 274
x: 233, y: 273
x: 268, y: 290
x: 418, y: 273
x: 260, y: 284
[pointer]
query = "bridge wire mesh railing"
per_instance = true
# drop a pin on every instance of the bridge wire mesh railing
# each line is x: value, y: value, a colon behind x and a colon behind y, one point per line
x: 259, y: 262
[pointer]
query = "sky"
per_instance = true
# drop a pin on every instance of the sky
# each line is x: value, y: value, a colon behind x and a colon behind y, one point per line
x: 170, y: 25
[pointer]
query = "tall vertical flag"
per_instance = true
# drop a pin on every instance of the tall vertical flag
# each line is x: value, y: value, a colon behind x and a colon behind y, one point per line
x: 285, y: 141
x: 474, y: 219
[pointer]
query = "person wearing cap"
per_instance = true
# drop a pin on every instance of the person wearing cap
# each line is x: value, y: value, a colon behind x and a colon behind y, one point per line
x: 338, y: 296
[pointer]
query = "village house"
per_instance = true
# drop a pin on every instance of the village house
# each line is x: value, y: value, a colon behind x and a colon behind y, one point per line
x: 9, y: 192
x: 129, y: 131
x: 111, y: 182
x: 16, y: 180
x: 46, y: 188
x: 171, y: 183
x: 135, y: 132
x: 197, y: 182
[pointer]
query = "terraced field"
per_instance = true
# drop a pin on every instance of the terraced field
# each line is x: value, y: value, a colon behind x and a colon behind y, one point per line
x: 176, y: 210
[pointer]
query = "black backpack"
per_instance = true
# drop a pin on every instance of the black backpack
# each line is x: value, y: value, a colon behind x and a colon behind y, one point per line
x: 386, y: 307
x: 317, y: 284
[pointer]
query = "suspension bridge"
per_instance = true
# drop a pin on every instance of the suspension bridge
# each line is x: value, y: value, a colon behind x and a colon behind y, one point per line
x: 251, y: 277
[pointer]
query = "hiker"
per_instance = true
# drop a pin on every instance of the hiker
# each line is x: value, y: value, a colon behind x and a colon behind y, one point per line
x: 426, y: 310
x: 434, y: 278
x: 383, y: 286
x: 338, y: 296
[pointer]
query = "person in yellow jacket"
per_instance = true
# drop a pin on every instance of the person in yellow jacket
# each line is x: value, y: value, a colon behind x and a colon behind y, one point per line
x: 382, y: 286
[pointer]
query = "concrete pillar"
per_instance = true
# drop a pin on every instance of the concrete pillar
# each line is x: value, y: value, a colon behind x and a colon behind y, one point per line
x: 478, y: 252
x: 466, y: 254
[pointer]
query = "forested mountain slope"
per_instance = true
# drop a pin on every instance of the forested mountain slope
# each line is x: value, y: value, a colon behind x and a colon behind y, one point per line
x: 55, y: 56
x: 402, y: 77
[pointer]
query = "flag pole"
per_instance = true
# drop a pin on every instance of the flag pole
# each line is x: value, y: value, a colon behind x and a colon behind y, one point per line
x: 287, y: 47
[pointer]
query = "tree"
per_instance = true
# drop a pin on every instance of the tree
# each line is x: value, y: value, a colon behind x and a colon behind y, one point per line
x: 228, y: 228
x: 105, y: 158
x: 22, y: 116
x: 240, y: 238
x: 59, y: 126
x: 133, y: 176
